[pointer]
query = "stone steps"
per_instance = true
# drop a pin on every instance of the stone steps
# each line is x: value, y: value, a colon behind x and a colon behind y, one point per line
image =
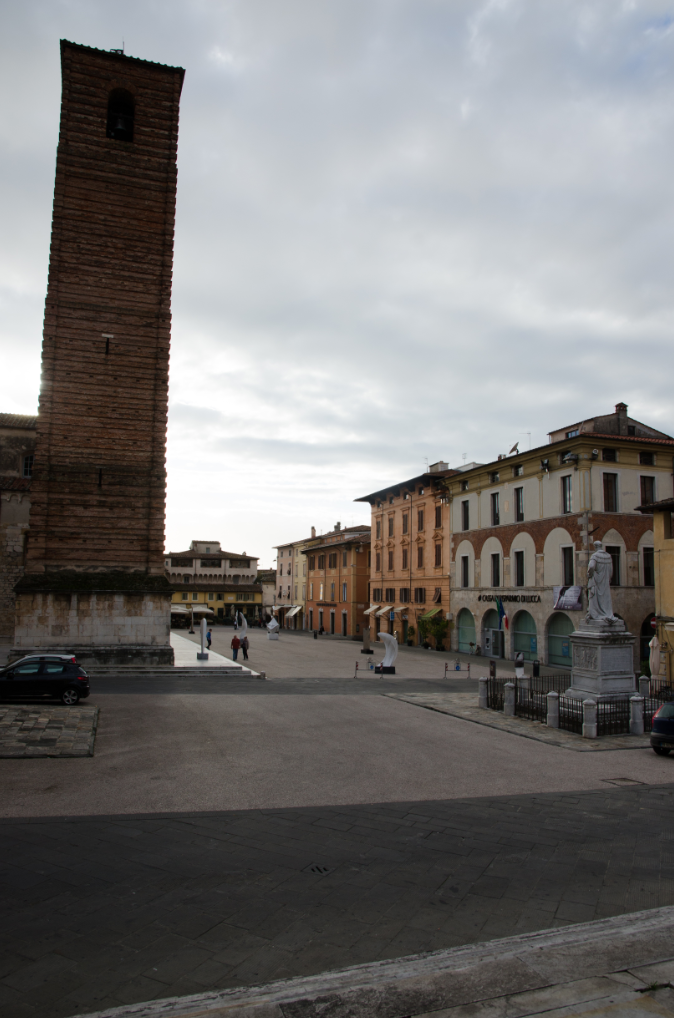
x: 169, y: 672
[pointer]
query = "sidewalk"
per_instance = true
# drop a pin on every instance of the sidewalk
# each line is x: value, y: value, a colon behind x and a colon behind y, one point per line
x: 615, y: 968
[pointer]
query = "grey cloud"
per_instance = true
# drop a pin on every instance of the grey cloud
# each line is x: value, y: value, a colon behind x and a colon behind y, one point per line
x: 404, y: 230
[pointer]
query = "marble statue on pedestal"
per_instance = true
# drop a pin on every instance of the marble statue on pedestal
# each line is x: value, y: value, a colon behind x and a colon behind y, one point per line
x: 599, y: 574
x: 602, y: 650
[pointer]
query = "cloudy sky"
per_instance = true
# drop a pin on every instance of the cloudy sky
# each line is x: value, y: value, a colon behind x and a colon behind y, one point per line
x: 407, y: 230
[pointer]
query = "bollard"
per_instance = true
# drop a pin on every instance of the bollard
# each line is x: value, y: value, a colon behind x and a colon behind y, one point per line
x: 589, y: 719
x: 315, y: 634
x: 636, y: 715
x: 468, y: 669
x: 644, y: 686
x: 355, y: 674
x: 446, y: 667
x: 553, y: 709
x: 483, y: 700
x: 509, y: 699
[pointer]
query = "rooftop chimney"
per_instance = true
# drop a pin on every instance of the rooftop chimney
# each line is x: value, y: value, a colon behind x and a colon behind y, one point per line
x: 621, y: 411
x: 313, y: 531
x: 338, y: 525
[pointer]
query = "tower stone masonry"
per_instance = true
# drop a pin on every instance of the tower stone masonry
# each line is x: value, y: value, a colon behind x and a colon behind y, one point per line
x: 94, y: 579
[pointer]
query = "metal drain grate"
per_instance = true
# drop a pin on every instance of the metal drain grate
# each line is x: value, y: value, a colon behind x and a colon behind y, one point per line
x: 623, y: 781
x: 320, y: 870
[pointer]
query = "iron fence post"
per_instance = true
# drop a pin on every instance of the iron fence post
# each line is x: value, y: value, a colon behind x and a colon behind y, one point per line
x: 589, y: 719
x: 509, y: 699
x: 553, y: 710
x: 636, y: 715
x: 483, y: 695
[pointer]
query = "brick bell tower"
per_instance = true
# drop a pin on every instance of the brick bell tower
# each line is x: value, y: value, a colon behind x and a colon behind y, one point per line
x: 94, y: 580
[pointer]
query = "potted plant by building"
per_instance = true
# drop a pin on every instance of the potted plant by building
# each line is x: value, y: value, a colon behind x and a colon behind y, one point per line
x: 411, y: 632
x: 424, y: 632
x: 438, y: 630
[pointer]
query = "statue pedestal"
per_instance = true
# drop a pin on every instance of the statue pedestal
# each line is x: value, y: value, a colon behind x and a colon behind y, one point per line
x: 602, y: 660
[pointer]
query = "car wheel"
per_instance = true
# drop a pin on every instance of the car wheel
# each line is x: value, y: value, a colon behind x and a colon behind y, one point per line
x: 660, y: 751
x: 71, y: 696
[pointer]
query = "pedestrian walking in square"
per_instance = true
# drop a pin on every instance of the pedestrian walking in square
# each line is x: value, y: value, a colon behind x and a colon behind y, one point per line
x: 244, y: 648
x: 209, y: 637
x: 236, y: 643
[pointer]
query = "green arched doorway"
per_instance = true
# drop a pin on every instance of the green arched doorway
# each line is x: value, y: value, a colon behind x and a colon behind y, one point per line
x: 560, y: 628
x: 465, y: 624
x: 525, y: 637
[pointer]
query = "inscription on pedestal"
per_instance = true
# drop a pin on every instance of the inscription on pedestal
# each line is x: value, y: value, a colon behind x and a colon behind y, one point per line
x: 616, y: 659
x: 585, y: 657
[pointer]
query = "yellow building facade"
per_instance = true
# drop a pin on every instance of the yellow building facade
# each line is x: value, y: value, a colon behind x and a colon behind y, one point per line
x: 663, y: 558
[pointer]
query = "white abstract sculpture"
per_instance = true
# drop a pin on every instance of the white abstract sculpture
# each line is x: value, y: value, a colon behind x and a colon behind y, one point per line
x: 391, y: 645
x: 654, y: 657
x: 203, y: 656
x: 243, y: 625
x: 272, y: 629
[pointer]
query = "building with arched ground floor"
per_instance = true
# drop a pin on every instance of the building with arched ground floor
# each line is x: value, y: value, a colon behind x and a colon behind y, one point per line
x: 535, y: 627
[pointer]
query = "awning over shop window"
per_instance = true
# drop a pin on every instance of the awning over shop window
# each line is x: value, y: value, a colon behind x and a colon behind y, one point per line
x: 430, y: 614
x: 403, y: 608
x: 179, y: 609
x: 386, y: 608
x: 201, y: 609
x: 294, y: 610
x: 372, y: 608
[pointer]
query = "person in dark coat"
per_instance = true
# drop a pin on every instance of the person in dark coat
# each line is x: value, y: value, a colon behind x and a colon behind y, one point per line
x: 236, y: 643
x: 244, y: 647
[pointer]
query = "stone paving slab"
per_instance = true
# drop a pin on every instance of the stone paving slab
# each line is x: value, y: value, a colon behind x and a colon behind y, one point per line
x: 462, y: 705
x: 104, y: 911
x: 34, y: 730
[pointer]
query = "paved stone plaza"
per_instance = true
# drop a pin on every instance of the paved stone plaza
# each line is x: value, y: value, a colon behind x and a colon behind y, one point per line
x: 230, y: 831
x: 107, y: 910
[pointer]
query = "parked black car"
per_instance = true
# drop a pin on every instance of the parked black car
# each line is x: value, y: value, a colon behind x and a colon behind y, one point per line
x: 662, y: 731
x: 53, y: 675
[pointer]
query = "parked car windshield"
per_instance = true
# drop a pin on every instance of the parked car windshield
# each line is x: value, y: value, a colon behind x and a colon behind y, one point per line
x: 666, y: 711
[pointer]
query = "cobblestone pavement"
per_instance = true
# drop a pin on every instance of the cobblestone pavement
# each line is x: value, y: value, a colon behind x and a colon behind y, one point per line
x: 463, y: 705
x: 32, y: 730
x: 298, y: 655
x: 103, y: 911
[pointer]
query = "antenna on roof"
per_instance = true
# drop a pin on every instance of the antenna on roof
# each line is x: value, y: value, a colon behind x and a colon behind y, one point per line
x: 426, y: 462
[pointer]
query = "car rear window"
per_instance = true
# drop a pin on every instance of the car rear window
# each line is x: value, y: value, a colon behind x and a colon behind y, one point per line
x: 666, y: 711
x: 54, y: 667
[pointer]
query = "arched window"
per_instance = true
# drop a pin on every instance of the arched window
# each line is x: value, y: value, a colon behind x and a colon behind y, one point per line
x: 120, y: 115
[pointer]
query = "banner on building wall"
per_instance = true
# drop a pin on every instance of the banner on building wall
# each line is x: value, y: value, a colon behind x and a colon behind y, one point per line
x: 568, y: 598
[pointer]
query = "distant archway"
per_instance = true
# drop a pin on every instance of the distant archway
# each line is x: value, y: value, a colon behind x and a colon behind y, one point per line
x: 525, y: 637
x: 560, y: 628
x: 465, y: 624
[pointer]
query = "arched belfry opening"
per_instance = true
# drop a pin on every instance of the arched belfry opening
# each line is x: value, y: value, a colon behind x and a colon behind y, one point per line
x: 121, y: 111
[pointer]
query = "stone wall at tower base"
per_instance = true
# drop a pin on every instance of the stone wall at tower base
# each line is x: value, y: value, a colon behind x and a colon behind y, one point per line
x: 97, y: 621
